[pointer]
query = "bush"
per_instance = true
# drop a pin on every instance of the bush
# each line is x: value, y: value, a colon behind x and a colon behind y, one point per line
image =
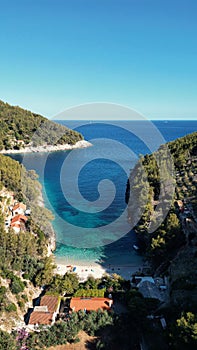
x: 21, y: 304
x: 7, y: 341
x: 16, y: 286
x: 24, y: 297
x: 99, y: 293
x: 26, y: 276
x: 11, y: 308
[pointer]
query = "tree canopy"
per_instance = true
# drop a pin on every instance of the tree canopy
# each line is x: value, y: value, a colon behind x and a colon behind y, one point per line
x: 20, y: 127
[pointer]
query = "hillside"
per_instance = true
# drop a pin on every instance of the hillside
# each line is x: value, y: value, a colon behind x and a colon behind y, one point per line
x: 149, y: 192
x: 20, y: 128
x: 170, y: 249
x: 25, y: 264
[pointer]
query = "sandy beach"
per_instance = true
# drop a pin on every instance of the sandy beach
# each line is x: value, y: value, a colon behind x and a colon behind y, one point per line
x: 95, y: 270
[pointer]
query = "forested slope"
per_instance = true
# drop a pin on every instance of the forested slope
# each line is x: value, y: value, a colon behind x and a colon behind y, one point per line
x: 171, y: 249
x: 145, y: 187
x: 19, y: 128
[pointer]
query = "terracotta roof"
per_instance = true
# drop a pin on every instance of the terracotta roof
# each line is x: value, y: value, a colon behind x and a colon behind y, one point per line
x: 90, y: 304
x: 41, y: 318
x: 50, y: 301
x: 19, y: 218
x: 19, y: 205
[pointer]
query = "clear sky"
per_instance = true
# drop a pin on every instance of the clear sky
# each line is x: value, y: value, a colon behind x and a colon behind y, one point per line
x: 139, y: 53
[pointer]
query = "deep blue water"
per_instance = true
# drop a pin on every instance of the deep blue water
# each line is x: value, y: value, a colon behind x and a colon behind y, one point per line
x: 87, y: 230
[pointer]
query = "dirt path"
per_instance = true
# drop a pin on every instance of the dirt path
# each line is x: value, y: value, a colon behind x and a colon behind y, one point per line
x: 84, y: 344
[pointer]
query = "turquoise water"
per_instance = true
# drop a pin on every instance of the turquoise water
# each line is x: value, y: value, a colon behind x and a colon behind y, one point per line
x: 85, y: 229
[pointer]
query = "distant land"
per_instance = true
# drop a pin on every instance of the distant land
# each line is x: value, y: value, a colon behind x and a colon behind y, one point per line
x: 24, y: 131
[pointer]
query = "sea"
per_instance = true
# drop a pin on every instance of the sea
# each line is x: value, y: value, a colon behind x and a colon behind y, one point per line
x: 85, y: 188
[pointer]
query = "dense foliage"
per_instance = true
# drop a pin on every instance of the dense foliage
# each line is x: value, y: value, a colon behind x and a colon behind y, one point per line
x: 7, y: 341
x: 66, y: 284
x: 19, y: 127
x: 183, y: 334
x: 150, y: 192
x: 170, y: 246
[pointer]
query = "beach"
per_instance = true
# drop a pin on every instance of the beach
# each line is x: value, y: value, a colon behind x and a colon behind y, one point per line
x: 94, y: 269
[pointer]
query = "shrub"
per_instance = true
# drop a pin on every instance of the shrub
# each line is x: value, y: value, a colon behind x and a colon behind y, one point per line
x: 24, y: 297
x: 11, y: 308
x: 90, y: 293
x: 21, y: 304
x: 26, y: 276
x: 7, y: 341
x: 16, y: 286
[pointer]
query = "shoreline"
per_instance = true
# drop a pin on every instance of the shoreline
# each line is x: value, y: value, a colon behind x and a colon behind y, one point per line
x: 48, y: 148
x: 84, y: 269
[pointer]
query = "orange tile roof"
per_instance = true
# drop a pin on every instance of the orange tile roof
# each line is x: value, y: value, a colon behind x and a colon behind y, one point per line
x: 37, y: 317
x: 90, y: 304
x: 50, y: 301
x: 19, y: 205
x: 19, y: 218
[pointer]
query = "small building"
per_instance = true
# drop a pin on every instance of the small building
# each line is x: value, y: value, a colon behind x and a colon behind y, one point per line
x: 41, y: 318
x: 18, y: 208
x: 16, y: 227
x: 149, y: 290
x: 52, y: 302
x: 90, y: 304
x: 46, y: 312
x: 139, y: 280
x: 18, y: 222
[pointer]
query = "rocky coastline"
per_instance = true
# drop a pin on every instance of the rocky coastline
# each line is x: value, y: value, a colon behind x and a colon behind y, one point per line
x: 48, y: 148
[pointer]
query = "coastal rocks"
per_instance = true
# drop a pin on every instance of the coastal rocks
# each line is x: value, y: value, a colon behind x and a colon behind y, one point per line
x: 49, y: 148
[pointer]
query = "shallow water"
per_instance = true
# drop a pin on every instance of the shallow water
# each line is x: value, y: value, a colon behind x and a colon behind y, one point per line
x: 83, y: 235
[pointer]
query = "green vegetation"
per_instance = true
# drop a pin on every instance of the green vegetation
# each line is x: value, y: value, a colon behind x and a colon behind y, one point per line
x: 66, y: 284
x: 99, y: 293
x: 151, y: 191
x: 19, y: 128
x: 170, y: 247
x: 23, y: 254
x: 14, y: 177
x: 7, y: 341
x: 183, y: 335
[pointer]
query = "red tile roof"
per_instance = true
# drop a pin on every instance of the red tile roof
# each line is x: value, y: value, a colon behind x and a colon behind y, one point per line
x: 44, y: 318
x: 50, y: 301
x: 19, y: 205
x: 90, y: 304
x: 19, y: 218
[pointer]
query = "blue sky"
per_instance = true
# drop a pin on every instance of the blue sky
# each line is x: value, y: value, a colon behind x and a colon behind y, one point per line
x: 60, y: 53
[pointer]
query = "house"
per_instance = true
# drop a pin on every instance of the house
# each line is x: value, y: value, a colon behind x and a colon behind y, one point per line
x: 149, y: 290
x: 52, y: 302
x: 139, y: 280
x: 16, y: 227
x: 18, y: 222
x: 41, y: 318
x: 46, y: 312
x: 90, y: 304
x: 18, y: 208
